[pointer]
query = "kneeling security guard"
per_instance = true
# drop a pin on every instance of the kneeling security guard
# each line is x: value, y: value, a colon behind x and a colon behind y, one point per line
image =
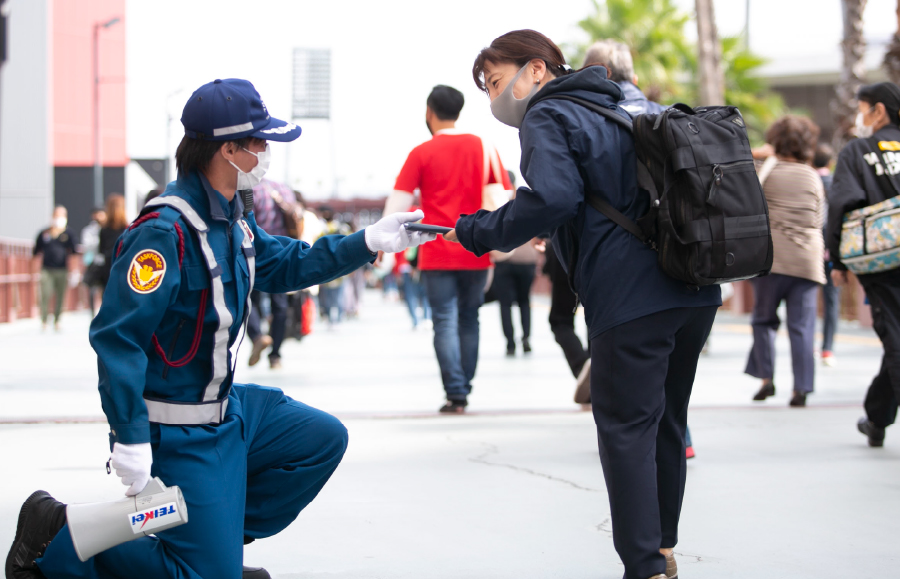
x: 247, y: 458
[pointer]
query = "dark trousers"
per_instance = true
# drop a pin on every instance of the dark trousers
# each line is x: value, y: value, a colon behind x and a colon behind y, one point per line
x: 832, y: 295
x: 455, y: 297
x: 247, y: 477
x: 800, y: 296
x: 642, y: 373
x: 278, y: 325
x: 562, y: 315
x: 512, y: 283
x: 884, y: 393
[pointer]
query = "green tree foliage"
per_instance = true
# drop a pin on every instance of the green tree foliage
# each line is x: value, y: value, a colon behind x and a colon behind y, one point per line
x: 747, y: 91
x: 666, y: 62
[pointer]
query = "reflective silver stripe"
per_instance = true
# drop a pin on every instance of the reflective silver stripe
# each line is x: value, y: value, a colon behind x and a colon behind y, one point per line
x: 232, y: 129
x: 183, y: 207
x: 189, y: 413
x: 220, y: 349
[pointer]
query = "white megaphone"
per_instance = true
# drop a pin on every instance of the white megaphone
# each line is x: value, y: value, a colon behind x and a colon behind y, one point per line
x: 95, y: 527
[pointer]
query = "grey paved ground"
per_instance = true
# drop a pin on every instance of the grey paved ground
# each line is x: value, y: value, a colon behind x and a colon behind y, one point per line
x: 514, y: 490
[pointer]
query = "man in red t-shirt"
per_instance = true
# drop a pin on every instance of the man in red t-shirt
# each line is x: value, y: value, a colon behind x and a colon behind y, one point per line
x: 450, y: 172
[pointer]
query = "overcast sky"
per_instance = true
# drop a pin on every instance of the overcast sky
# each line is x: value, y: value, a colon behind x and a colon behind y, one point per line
x: 386, y: 56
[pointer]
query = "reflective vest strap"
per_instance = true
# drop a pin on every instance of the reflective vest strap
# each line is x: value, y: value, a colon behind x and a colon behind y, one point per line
x: 183, y: 207
x: 220, y: 346
x: 186, y: 413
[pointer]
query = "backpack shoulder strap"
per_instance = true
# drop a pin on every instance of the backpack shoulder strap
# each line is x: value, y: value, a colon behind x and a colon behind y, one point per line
x: 644, y: 179
x: 603, y: 111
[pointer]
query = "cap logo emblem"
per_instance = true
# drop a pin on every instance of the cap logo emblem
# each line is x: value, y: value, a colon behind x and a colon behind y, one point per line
x: 147, y: 271
x: 280, y: 130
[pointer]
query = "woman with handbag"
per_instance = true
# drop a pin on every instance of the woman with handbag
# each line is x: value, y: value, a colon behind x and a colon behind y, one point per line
x: 796, y: 199
x: 864, y: 179
x: 646, y: 329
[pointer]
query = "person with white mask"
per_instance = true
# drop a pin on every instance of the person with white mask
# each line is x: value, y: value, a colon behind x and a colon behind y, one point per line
x: 868, y: 173
x: 54, y: 245
x: 646, y: 329
x: 248, y: 459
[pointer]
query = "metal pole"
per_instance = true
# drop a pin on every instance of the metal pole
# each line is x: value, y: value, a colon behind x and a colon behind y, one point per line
x: 98, y: 168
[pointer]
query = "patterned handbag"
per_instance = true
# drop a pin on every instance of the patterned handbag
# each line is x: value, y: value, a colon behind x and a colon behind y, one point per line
x: 870, y: 237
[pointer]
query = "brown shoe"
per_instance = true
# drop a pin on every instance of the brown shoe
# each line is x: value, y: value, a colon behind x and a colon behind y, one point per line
x: 259, y: 345
x: 274, y: 363
x: 671, y: 567
x: 583, y: 384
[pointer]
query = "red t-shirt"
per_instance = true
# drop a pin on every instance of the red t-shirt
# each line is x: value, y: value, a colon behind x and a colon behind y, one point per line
x: 448, y: 171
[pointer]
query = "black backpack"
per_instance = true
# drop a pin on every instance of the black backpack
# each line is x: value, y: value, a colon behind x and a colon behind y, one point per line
x: 710, y: 223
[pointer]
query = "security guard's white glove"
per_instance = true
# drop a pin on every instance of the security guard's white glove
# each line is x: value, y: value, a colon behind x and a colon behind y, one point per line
x: 389, y: 234
x: 132, y: 463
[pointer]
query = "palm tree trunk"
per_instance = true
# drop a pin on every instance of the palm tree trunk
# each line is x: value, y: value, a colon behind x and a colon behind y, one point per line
x: 709, y: 56
x: 892, y: 56
x: 853, y: 73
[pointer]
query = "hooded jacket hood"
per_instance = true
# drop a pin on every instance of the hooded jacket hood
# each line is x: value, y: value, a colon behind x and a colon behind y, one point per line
x: 590, y: 84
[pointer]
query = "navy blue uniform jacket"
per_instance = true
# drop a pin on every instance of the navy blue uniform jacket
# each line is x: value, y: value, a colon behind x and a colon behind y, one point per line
x: 566, y: 150
x: 122, y: 333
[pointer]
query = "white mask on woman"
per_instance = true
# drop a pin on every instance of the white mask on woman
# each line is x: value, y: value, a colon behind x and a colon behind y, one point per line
x: 507, y: 108
x: 250, y: 180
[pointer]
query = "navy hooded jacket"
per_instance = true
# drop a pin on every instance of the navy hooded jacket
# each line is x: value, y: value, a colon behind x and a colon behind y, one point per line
x: 567, y: 150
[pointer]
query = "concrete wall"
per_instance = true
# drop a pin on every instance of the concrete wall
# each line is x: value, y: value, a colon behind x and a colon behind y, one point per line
x: 26, y: 171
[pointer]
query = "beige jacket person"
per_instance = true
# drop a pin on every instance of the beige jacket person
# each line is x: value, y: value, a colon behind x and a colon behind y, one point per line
x: 796, y: 199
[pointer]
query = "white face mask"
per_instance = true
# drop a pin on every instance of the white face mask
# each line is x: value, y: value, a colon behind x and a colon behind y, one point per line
x: 250, y: 180
x: 507, y: 108
x: 863, y: 131
x: 60, y: 222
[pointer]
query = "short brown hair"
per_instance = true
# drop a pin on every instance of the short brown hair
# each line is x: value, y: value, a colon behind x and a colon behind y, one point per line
x: 794, y: 136
x: 519, y: 47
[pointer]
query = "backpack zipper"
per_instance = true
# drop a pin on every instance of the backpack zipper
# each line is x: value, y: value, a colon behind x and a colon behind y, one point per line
x: 718, y: 172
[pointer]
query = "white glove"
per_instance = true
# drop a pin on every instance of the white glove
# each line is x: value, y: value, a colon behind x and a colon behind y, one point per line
x: 132, y: 463
x: 389, y: 234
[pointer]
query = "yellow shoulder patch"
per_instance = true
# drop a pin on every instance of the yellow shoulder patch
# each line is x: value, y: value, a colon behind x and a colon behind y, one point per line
x: 147, y: 271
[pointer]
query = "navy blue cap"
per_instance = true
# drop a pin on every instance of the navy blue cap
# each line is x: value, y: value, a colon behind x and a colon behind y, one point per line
x: 230, y: 109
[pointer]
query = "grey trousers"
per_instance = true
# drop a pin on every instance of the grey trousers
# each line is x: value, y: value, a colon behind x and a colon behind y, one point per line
x: 801, y: 297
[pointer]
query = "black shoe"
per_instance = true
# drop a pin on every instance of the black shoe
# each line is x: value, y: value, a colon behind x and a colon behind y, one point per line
x: 764, y: 392
x: 40, y: 520
x: 454, y: 407
x: 255, y: 573
x: 875, y: 434
x: 798, y: 400
x: 526, y: 346
x: 510, y: 349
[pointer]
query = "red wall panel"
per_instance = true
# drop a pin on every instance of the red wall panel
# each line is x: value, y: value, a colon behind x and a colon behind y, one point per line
x: 73, y: 77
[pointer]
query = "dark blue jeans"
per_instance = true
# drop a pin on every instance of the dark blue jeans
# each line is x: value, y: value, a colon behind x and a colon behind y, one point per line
x: 455, y: 297
x: 832, y: 295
